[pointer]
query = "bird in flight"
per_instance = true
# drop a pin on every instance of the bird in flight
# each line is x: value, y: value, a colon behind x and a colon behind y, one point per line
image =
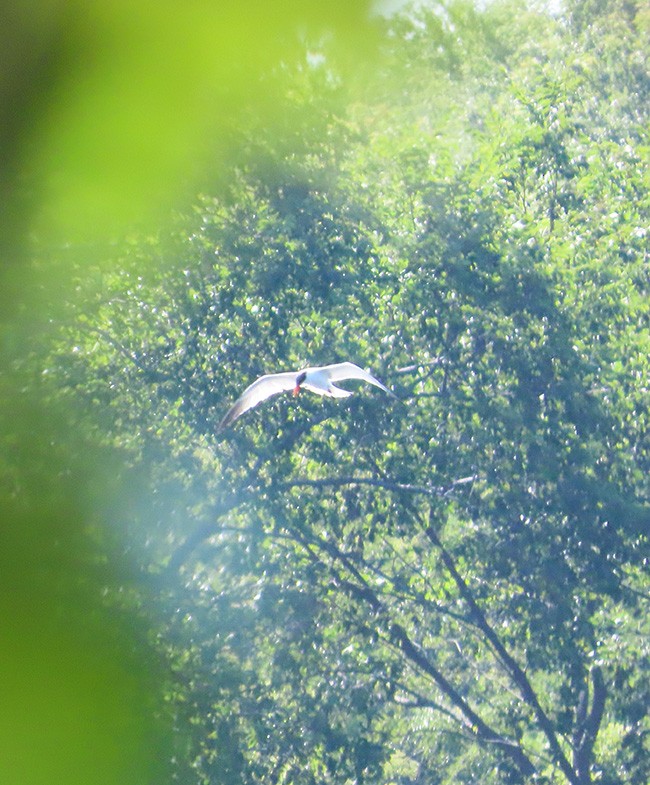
x: 318, y: 380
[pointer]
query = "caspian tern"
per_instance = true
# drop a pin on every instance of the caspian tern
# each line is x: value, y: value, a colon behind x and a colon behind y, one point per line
x: 318, y: 380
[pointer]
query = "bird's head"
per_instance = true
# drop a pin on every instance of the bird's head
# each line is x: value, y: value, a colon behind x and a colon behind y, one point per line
x: 299, y: 380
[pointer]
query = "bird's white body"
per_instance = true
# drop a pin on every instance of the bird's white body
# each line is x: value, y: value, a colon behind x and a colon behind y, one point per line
x: 317, y: 380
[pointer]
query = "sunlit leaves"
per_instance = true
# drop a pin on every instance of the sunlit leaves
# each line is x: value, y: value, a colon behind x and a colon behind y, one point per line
x: 369, y: 589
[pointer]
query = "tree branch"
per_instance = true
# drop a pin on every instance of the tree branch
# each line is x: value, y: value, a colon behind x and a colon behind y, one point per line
x: 152, y: 373
x: 478, y: 727
x: 511, y: 665
x: 364, y: 591
x: 418, y: 701
x: 361, y: 590
x: 587, y: 724
x: 339, y: 482
x: 210, y: 527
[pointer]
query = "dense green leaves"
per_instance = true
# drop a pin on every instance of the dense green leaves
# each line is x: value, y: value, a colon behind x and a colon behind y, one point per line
x: 448, y: 588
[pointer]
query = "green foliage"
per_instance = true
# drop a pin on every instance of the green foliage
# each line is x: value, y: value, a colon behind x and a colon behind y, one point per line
x: 450, y: 588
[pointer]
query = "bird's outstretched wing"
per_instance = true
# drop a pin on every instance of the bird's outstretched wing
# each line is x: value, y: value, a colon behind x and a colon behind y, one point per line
x: 341, y: 371
x: 258, y: 391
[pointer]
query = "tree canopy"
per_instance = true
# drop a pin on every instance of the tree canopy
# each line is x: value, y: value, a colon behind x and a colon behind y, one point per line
x: 448, y: 588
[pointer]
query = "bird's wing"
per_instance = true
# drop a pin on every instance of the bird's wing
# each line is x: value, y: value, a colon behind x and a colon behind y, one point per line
x: 259, y: 391
x: 341, y: 371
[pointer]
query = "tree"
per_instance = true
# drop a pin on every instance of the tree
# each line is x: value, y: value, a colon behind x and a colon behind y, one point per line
x: 446, y: 590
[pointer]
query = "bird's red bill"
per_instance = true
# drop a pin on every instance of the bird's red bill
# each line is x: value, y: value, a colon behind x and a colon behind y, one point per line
x: 296, y: 389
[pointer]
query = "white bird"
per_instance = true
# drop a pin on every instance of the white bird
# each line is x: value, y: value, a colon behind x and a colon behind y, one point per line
x: 318, y: 380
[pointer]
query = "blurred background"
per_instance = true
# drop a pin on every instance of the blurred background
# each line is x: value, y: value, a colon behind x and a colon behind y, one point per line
x: 111, y: 115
